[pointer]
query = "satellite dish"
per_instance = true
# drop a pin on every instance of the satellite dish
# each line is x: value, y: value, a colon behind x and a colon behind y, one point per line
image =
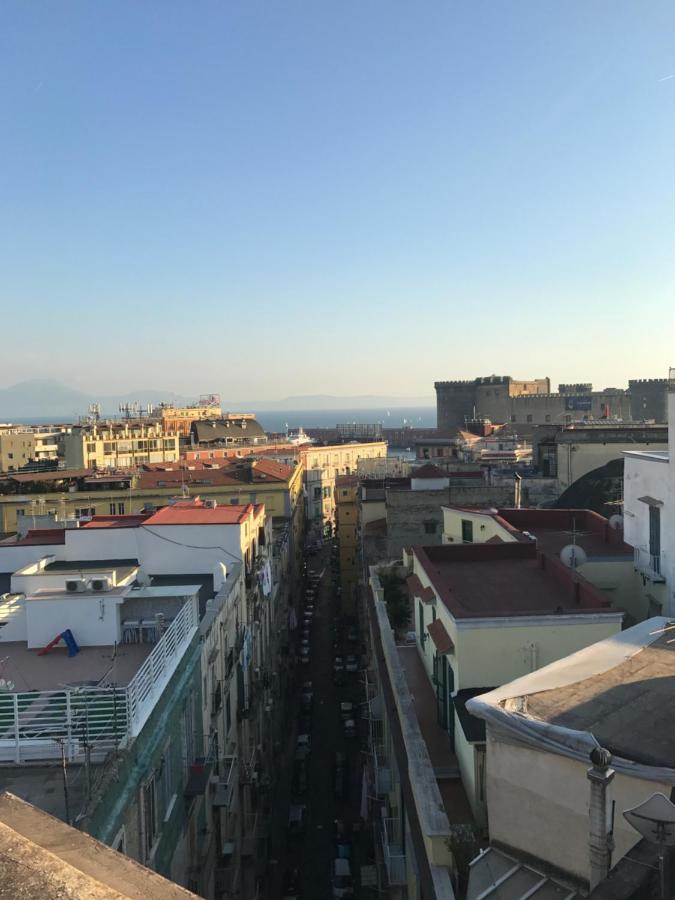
x: 143, y: 578
x: 654, y: 819
x: 573, y: 556
x: 6, y: 685
x: 616, y: 521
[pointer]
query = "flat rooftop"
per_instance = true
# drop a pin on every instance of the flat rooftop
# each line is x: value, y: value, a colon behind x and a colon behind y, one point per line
x: 506, y: 579
x: 30, y: 672
x: 630, y: 708
x: 556, y: 528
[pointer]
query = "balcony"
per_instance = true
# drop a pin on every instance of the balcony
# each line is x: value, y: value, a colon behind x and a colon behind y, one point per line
x: 383, y: 779
x: 393, y: 850
x: 224, y: 789
x: 649, y: 564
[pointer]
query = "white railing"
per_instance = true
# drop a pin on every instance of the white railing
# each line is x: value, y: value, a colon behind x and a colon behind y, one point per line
x: 394, y: 857
x: 77, y: 723
x: 153, y: 676
x: 89, y: 722
x: 649, y: 564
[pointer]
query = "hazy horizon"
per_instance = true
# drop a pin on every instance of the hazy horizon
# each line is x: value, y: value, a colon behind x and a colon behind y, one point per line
x: 276, y: 200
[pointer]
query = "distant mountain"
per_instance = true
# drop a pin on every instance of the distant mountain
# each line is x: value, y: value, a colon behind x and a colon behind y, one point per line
x: 329, y: 401
x: 49, y: 399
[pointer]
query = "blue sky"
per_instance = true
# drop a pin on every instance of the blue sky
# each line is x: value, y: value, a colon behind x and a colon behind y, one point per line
x: 287, y: 197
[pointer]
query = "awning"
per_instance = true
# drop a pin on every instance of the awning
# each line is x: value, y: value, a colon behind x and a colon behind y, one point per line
x: 425, y: 594
x: 440, y: 637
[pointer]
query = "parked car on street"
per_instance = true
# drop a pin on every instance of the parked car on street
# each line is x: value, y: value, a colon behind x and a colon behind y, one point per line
x: 343, y: 886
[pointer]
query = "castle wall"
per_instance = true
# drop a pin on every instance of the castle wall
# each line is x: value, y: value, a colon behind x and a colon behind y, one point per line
x: 455, y: 401
x: 648, y: 399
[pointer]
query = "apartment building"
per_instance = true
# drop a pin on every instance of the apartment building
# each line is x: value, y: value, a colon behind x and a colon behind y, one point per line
x: 323, y: 464
x: 118, y: 445
x: 347, y: 532
x: 649, y: 517
x: 571, y: 748
x: 28, y: 447
x: 158, y: 677
x: 591, y: 544
x: 485, y: 614
x: 179, y: 419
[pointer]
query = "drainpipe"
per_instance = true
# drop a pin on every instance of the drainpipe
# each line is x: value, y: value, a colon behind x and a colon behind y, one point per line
x: 601, y: 840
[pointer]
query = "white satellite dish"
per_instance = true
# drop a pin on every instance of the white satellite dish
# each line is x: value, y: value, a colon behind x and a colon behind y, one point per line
x: 573, y: 556
x: 143, y: 578
x: 6, y: 685
x: 616, y: 521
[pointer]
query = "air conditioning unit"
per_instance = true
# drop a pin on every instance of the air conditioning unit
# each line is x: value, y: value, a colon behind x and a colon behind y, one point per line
x: 100, y: 584
x: 75, y: 585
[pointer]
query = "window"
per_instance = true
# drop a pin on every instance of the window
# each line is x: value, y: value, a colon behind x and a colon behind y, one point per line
x: 655, y: 538
x: 430, y: 527
x: 188, y: 737
x: 547, y: 418
x: 317, y: 493
x: 10, y: 455
x: 513, y: 418
x: 467, y: 531
x: 167, y: 779
x: 529, y: 418
x: 117, y: 509
x: 149, y: 808
x: 85, y: 512
x: 421, y: 618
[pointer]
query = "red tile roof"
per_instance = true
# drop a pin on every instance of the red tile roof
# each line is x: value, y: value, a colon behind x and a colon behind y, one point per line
x: 250, y: 471
x: 199, y: 514
x: 440, y: 637
x: 508, y: 579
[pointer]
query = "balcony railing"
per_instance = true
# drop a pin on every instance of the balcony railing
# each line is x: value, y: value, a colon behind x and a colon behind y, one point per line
x: 383, y: 780
x: 649, y: 564
x: 153, y: 676
x: 394, y: 855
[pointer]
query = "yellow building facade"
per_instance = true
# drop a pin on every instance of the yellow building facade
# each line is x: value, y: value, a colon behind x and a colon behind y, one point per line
x: 347, y: 529
x: 119, y: 446
x: 322, y: 465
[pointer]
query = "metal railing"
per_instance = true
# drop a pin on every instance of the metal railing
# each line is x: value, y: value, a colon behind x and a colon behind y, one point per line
x: 394, y: 856
x: 383, y: 779
x: 152, y: 677
x: 87, y: 723
x: 649, y: 564
x: 77, y: 723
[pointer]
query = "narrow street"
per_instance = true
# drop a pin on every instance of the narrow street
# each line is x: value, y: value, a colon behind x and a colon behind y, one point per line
x: 316, y: 810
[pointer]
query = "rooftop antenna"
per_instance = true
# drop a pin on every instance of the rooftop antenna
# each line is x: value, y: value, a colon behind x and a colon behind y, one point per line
x: 94, y: 412
x: 129, y: 409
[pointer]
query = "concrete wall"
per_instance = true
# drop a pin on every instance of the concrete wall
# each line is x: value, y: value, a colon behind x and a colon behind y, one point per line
x: 467, y: 754
x: 484, y: 527
x: 94, y: 620
x: 577, y: 458
x: 408, y: 511
x: 538, y: 804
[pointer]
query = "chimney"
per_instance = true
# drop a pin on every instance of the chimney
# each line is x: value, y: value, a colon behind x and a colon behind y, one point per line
x: 601, y: 840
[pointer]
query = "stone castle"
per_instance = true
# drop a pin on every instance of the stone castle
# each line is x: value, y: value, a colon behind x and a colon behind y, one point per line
x: 501, y: 398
